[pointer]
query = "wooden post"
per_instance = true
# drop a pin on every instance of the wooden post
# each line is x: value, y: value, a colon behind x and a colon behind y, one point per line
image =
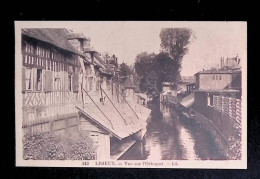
x: 51, y: 123
x: 78, y: 121
x: 102, y: 95
x: 66, y: 120
x: 29, y: 129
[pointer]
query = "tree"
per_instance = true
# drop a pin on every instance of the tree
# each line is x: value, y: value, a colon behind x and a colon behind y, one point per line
x: 174, y: 41
x: 167, y: 67
x: 154, y: 69
x: 125, y: 71
x: 147, y: 71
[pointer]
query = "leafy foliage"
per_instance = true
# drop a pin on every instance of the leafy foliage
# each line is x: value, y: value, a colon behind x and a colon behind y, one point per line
x: 174, y: 41
x: 125, y: 71
x: 146, y: 68
x: 235, y: 143
x: 54, y: 147
x: 153, y: 69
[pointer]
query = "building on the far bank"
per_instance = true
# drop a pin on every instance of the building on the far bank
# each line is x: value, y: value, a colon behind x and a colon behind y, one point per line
x: 217, y: 82
x: 217, y: 103
x: 128, y: 88
x: 169, y: 92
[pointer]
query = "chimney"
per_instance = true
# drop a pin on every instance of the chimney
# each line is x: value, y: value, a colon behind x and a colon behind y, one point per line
x: 221, y: 62
x: 237, y: 59
x: 86, y: 44
x: 131, y: 78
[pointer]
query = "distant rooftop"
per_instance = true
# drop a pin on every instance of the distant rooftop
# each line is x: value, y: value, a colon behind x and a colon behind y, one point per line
x: 217, y: 90
x: 167, y: 83
x: 188, y: 79
x: 220, y: 71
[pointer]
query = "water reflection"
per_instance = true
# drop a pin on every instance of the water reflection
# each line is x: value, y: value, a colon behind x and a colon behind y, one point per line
x: 171, y: 137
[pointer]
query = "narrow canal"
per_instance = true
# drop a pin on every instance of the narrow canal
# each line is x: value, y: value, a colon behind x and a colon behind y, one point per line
x: 170, y: 136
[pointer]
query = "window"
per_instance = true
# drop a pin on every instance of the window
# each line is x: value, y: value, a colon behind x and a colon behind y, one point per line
x: 216, y: 77
x: 69, y: 82
x: 97, y: 83
x: 28, y: 48
x: 213, y: 77
x: 39, y: 79
x: 28, y: 79
x: 219, y: 77
x: 57, y: 81
x: 90, y: 79
x: 210, y: 100
x: 52, y: 54
x: 38, y: 50
x: 47, y: 54
x: 43, y: 52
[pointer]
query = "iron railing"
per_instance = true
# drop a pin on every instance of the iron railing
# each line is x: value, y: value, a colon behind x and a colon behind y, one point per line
x: 97, y: 106
x: 112, y: 104
x: 127, y: 103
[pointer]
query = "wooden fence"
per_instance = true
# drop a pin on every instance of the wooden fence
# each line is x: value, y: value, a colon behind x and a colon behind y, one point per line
x: 229, y: 106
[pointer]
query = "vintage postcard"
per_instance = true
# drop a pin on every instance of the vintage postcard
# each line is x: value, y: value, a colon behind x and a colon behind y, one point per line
x: 131, y: 94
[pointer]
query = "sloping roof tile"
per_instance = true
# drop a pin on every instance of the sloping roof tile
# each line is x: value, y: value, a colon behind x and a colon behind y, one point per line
x: 115, y: 124
x: 54, y: 36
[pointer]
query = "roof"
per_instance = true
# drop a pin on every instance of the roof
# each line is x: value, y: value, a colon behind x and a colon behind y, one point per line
x: 99, y: 61
x: 222, y: 71
x: 89, y: 50
x: 142, y: 95
x: 114, y: 123
x: 188, y: 79
x: 76, y: 36
x: 216, y: 90
x: 128, y: 83
x: 185, y: 83
x: 167, y: 83
x: 53, y: 36
x: 188, y: 100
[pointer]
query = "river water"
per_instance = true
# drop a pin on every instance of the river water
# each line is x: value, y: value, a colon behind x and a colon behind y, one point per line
x: 171, y: 136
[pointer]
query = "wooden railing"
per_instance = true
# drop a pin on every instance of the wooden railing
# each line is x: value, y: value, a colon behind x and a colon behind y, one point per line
x: 113, y: 104
x: 229, y: 106
x: 97, y: 106
x: 127, y: 103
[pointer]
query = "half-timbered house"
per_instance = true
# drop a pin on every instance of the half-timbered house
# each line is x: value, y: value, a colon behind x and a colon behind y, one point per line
x: 50, y: 81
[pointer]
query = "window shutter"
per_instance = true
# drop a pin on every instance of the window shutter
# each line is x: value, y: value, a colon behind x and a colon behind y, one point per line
x: 48, y: 81
x: 75, y: 82
x: 23, y: 79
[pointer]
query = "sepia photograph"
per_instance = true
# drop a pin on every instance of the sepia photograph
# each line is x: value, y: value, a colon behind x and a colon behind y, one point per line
x: 131, y: 94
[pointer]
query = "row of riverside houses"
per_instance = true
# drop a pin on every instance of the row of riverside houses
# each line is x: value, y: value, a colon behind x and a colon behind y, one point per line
x: 216, y: 104
x: 67, y: 87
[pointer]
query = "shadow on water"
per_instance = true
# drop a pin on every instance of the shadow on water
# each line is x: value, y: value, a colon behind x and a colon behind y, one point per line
x: 205, y: 146
x: 171, y: 136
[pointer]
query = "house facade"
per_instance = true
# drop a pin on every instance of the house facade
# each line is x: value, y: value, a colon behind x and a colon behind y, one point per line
x: 50, y: 81
x: 128, y: 88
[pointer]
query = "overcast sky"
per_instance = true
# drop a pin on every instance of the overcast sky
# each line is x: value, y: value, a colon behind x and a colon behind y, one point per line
x: 127, y: 39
